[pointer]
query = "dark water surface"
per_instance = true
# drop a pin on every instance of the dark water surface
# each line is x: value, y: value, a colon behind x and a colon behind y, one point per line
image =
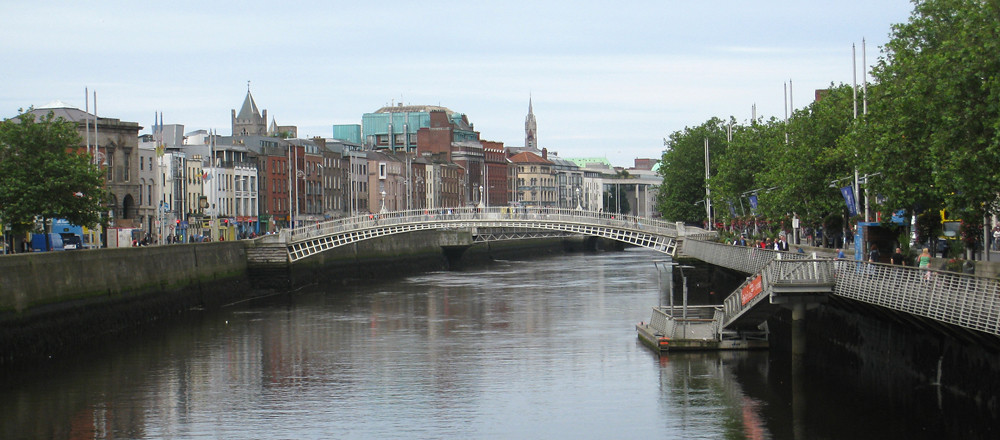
x: 536, y: 349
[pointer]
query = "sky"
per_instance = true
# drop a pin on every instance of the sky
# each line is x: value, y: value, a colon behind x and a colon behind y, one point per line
x: 606, y: 79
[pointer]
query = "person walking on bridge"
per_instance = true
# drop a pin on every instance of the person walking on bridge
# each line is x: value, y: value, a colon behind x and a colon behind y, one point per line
x: 873, y: 255
x: 924, y: 262
x: 897, y: 258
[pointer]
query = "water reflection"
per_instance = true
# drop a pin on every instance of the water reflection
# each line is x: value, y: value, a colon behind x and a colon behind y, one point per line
x: 520, y: 349
x: 703, y: 398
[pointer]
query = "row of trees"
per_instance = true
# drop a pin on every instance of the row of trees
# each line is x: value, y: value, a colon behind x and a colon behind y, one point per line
x: 930, y: 138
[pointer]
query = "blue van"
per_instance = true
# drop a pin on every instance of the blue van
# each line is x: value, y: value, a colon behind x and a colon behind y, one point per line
x: 39, y: 244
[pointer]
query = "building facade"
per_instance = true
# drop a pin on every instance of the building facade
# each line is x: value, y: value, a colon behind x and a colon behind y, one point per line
x: 536, y: 183
x: 115, y: 145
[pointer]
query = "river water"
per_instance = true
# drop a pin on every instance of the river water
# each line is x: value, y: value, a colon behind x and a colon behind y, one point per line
x: 538, y: 349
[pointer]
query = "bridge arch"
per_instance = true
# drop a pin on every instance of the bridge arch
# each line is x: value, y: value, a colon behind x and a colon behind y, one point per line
x: 306, y: 241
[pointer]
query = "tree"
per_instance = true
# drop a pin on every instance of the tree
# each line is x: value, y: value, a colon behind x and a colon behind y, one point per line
x: 935, y: 118
x: 683, y: 170
x: 737, y: 168
x: 802, y: 168
x: 42, y: 174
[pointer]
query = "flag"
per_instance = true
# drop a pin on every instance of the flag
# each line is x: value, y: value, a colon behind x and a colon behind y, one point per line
x: 753, y: 203
x: 848, y: 193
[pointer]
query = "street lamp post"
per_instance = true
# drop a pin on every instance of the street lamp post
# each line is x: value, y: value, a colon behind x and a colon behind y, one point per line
x: 579, y: 207
x: 685, y: 303
x: 383, y: 202
x: 482, y: 204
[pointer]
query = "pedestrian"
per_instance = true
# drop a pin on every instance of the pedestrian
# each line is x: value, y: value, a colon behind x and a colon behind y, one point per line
x: 924, y: 262
x: 897, y: 258
x: 840, y: 254
x: 873, y: 255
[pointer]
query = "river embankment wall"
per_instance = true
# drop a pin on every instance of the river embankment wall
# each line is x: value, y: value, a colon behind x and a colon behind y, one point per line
x: 865, y: 347
x: 51, y: 301
x: 55, y: 301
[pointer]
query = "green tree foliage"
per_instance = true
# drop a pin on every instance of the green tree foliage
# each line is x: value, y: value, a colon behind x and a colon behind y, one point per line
x: 932, y: 134
x: 801, y: 169
x: 789, y: 167
x: 737, y: 167
x: 43, y: 175
x: 683, y: 170
x: 935, y: 116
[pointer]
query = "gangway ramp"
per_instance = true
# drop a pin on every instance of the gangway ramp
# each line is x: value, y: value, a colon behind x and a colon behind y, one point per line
x: 740, y: 323
x: 781, y: 283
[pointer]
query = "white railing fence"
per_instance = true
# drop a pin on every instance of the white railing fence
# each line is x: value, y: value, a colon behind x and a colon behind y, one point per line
x: 497, y: 215
x: 967, y: 301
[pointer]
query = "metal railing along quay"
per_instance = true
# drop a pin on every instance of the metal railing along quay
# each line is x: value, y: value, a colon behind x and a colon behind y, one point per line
x: 967, y: 301
x: 963, y: 300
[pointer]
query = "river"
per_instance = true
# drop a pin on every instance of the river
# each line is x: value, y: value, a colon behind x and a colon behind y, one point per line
x: 541, y: 348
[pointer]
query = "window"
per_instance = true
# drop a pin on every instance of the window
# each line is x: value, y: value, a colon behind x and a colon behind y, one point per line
x: 128, y: 164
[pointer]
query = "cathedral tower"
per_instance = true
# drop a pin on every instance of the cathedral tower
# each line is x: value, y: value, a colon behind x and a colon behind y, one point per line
x: 249, y: 121
x: 530, y: 129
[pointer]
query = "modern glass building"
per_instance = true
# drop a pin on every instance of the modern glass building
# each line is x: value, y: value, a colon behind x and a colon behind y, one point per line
x: 395, y: 127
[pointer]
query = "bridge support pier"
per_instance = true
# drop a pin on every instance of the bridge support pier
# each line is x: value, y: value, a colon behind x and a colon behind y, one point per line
x: 798, y: 329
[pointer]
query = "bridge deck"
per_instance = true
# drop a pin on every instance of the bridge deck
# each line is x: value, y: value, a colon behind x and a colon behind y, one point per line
x: 649, y: 233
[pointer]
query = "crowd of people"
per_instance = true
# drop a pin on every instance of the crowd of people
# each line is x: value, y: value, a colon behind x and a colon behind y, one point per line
x: 775, y: 244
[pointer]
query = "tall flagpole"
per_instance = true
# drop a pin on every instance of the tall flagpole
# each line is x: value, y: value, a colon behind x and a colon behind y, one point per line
x: 97, y: 141
x: 791, y: 97
x: 786, y: 111
x: 708, y: 191
x: 864, y: 78
x: 86, y: 119
x: 854, y: 82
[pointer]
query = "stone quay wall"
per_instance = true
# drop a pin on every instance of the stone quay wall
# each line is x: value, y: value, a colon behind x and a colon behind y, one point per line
x: 54, y: 302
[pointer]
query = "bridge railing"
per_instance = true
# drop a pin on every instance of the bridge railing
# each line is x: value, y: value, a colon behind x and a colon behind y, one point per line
x: 479, y: 215
x: 745, y: 259
x: 964, y: 300
x: 780, y: 271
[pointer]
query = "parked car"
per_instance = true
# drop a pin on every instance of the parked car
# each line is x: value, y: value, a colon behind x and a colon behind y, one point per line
x: 71, y: 241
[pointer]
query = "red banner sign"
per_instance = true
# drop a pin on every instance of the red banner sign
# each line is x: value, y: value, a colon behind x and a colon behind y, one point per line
x: 750, y: 291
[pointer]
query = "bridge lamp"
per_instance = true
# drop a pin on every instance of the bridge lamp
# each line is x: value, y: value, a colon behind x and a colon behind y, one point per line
x: 383, y: 201
x: 578, y: 206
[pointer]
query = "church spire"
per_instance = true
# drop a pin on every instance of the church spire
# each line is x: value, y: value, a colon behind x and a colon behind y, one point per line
x: 530, y: 128
x: 249, y: 121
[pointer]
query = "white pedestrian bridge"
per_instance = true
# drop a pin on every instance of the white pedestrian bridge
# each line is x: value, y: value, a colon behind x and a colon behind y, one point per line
x: 661, y: 236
